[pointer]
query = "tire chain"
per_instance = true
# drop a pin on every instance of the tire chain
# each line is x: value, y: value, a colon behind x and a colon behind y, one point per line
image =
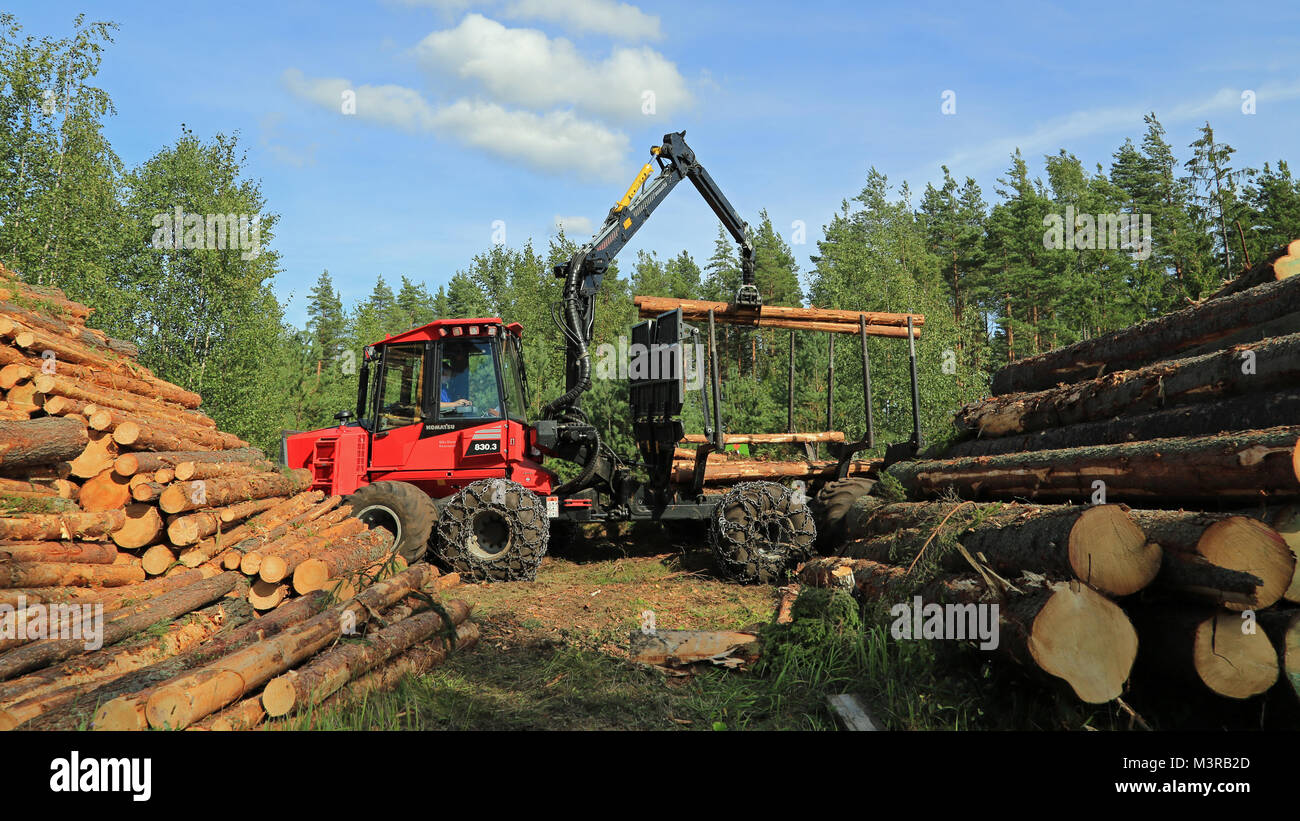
x: 738, y: 546
x: 527, y: 521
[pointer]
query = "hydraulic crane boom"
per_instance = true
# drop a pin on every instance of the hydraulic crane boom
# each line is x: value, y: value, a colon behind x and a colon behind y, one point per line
x: 585, y: 269
x: 564, y: 426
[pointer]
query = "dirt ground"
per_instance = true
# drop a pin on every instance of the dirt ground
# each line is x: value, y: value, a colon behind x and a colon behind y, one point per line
x: 553, y: 653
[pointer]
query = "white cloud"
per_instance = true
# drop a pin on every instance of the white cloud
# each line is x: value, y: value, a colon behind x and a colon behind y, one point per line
x: 557, y: 142
x: 595, y: 16
x: 525, y: 67
x: 573, y: 225
x: 1071, y: 127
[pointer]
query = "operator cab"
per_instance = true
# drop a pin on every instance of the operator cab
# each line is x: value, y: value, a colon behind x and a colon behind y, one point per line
x: 446, y: 375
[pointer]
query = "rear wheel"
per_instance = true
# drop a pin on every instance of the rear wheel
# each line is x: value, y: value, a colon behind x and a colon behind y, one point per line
x: 493, y: 530
x: 759, y: 531
x: 400, y: 508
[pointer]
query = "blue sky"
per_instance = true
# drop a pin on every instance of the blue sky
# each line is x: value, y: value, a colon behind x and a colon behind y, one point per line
x: 528, y: 110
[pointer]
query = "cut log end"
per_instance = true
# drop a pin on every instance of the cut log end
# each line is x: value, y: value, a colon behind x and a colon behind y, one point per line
x: 280, y: 695
x: 1242, y: 543
x: 1231, y: 661
x: 1085, y: 639
x: 1109, y: 551
x: 143, y: 526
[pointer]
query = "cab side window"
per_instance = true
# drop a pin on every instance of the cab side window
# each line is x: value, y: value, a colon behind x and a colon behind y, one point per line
x: 401, y: 393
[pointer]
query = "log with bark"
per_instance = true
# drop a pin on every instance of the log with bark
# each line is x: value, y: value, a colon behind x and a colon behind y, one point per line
x: 279, y: 560
x: 1282, y: 263
x: 59, y: 551
x: 257, y: 530
x: 37, y: 527
x: 1210, y: 543
x: 1249, y: 412
x: 1240, y: 466
x: 123, y: 708
x: 41, y: 441
x: 739, y: 470
x: 190, y: 698
x: 1206, y: 646
x: 348, y: 557
x: 185, y: 496
x: 1151, y: 341
x: 38, y: 693
x: 769, y: 438
x: 189, y: 529
x: 129, y: 463
x: 416, y: 661
x: 67, y: 574
x: 1100, y: 544
x: 1064, y: 628
x: 118, y: 626
x: 776, y: 316
x: 328, y: 672
x: 1262, y: 366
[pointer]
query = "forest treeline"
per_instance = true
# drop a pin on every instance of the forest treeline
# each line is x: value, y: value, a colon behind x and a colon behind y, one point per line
x: 74, y: 216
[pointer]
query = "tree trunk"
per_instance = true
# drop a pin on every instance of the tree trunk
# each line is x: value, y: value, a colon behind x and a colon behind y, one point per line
x: 328, y: 672
x: 1250, y: 412
x: 1101, y: 544
x: 185, y: 471
x: 1275, y: 365
x: 1151, y: 341
x: 212, y: 492
x: 129, y: 463
x: 60, y: 551
x: 187, y: 530
x: 1244, y: 465
x: 37, y: 527
x: 1065, y: 629
x: 184, y: 701
x: 1280, y: 264
x: 120, y: 626
x: 736, y: 470
x: 357, y: 554
x: 67, y: 574
x: 40, y: 441
x: 1221, y: 541
x: 270, y: 521
x: 1206, y: 646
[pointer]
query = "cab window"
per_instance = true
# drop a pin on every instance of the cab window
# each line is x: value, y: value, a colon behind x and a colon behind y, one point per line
x: 401, y: 392
x: 467, y: 381
x: 512, y: 376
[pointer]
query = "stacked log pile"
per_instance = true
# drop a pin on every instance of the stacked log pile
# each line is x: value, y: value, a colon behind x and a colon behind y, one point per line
x: 188, y: 547
x: 1155, y: 468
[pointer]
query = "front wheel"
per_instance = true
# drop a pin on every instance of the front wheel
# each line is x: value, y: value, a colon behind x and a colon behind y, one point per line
x: 493, y: 530
x: 400, y: 508
x: 760, y: 531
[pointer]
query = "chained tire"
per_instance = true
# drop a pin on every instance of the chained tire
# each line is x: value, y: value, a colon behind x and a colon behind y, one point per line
x: 831, y: 507
x: 760, y: 531
x: 400, y: 508
x: 493, y: 530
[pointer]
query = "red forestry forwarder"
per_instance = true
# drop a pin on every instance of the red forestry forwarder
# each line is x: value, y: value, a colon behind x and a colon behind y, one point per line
x: 441, y: 451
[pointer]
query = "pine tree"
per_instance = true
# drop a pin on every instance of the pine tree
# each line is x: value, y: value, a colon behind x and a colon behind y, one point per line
x: 1216, y: 192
